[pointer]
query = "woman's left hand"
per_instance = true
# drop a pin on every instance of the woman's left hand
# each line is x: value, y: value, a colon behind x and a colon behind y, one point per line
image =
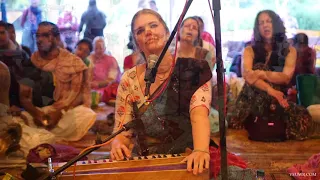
x: 197, y: 161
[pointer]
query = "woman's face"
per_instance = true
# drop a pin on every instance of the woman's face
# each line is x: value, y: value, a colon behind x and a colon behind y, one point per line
x: 189, y: 31
x: 99, y: 48
x: 150, y: 34
x: 265, y: 26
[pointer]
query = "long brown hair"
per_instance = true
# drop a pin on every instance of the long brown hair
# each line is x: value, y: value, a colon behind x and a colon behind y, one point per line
x: 280, y: 44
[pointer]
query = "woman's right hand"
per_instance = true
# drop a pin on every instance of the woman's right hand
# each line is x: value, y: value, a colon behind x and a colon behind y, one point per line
x: 121, y: 147
x: 279, y: 96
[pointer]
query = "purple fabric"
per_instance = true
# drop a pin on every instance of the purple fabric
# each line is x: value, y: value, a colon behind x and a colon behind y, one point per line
x: 59, y: 153
x: 310, y: 170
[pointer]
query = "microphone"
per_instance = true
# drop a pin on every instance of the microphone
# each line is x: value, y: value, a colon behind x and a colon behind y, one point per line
x: 150, y: 74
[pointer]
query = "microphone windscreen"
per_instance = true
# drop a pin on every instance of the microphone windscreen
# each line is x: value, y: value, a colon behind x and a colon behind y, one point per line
x: 152, y: 60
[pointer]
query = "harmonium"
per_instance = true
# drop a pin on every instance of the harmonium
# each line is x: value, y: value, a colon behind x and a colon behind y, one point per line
x: 153, y: 167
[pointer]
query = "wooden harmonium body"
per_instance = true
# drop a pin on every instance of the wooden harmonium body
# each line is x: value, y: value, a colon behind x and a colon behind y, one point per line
x: 154, y: 167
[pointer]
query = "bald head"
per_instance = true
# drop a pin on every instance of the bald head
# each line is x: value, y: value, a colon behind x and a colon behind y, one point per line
x: 5, y: 84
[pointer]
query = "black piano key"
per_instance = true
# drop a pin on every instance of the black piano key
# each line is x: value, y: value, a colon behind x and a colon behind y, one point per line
x: 173, y: 155
x: 164, y: 156
x: 154, y: 157
x: 145, y: 157
x: 178, y: 154
x: 139, y: 158
x: 131, y: 158
x: 159, y: 156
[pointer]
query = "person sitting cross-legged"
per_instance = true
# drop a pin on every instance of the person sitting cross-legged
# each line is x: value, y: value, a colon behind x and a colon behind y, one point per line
x: 52, y: 95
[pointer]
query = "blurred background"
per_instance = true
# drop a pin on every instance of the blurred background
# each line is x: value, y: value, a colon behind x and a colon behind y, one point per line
x: 237, y: 18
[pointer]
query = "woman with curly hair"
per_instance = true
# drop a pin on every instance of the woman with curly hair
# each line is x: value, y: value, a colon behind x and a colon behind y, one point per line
x: 268, y: 65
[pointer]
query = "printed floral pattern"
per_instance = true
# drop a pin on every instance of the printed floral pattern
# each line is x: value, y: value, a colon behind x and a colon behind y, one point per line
x: 130, y: 89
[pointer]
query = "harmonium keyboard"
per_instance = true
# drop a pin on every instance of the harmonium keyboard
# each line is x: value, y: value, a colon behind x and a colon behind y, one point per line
x: 154, y: 167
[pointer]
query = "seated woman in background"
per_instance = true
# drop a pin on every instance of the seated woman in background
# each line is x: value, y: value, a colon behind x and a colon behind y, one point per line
x: 134, y: 58
x: 306, y: 57
x: 106, y: 71
x: 267, y: 67
x: 189, y: 38
x: 206, y: 41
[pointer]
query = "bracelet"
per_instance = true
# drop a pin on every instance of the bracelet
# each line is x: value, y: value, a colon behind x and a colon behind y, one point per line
x: 198, y: 150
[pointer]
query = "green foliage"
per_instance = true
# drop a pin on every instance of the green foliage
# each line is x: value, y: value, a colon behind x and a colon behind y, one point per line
x: 307, y: 13
x: 21, y: 4
x: 17, y: 4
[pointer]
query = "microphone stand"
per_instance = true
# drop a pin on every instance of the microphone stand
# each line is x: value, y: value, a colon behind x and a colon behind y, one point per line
x: 151, y: 75
x: 220, y: 83
x: 125, y: 127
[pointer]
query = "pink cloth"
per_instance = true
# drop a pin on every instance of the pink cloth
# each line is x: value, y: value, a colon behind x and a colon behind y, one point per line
x: 110, y: 92
x: 215, y: 161
x: 128, y: 62
x: 104, y: 68
x: 312, y: 166
x: 207, y: 37
x: 68, y: 21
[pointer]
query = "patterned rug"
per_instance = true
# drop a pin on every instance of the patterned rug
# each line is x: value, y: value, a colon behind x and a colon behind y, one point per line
x: 272, y: 157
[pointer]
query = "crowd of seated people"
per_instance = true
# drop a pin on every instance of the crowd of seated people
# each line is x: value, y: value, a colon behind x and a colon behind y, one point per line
x: 50, y: 88
x: 62, y: 110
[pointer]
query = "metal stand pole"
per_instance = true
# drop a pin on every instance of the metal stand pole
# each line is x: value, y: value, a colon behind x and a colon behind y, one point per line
x: 220, y: 80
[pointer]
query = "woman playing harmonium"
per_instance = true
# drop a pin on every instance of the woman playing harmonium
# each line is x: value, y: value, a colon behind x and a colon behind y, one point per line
x: 175, y: 120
